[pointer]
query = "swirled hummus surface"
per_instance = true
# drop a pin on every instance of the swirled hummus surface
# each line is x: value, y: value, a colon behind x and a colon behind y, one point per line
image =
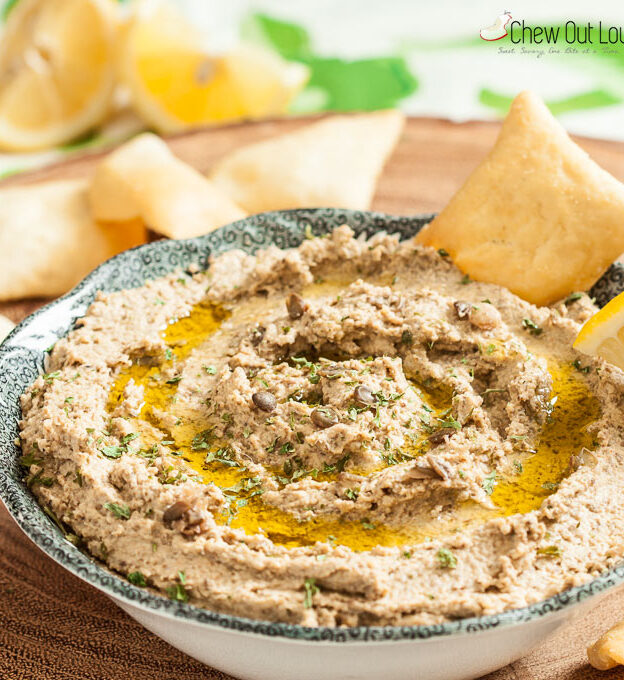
x: 347, y: 433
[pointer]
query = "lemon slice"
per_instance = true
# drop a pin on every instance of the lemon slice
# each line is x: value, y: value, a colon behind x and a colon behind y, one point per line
x: 57, y: 70
x: 175, y: 84
x: 603, y: 334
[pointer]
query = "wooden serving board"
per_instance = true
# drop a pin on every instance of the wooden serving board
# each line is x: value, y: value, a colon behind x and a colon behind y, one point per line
x: 54, y: 627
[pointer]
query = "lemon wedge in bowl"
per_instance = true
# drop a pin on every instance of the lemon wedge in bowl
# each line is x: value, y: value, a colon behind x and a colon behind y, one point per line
x: 57, y: 71
x: 603, y: 334
x: 175, y: 84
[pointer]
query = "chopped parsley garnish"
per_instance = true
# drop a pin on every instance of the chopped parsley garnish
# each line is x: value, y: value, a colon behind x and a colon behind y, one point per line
x: 137, y: 579
x: 492, y: 390
x: 120, y: 510
x: 294, y: 469
x: 49, y: 377
x: 532, y: 327
x: 442, y: 252
x: 518, y: 467
x: 224, y: 456
x: 211, y: 370
x: 178, y: 591
x: 367, y: 524
x: 311, y: 589
x: 67, y: 535
x: 338, y: 466
x: 29, y: 459
x: 449, y: 421
x: 39, y: 479
x: 550, y: 551
x: 573, y: 297
x: 115, y: 451
x: 489, y: 482
x: 302, y: 362
x: 171, y: 475
x: 174, y: 380
x: 352, y: 494
x: 465, y: 279
x: 407, y: 338
x: 446, y: 559
x: 202, y: 440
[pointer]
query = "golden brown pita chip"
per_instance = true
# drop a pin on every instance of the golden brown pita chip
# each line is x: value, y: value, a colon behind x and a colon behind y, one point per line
x: 143, y: 179
x: 334, y: 163
x: 538, y: 215
x: 48, y: 240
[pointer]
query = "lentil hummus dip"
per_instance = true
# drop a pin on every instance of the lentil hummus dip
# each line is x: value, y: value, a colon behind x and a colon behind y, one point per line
x: 348, y: 433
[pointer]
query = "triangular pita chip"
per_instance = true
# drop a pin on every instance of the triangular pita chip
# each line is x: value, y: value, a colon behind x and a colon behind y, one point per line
x: 49, y: 241
x: 538, y: 215
x: 334, y: 163
x: 143, y: 179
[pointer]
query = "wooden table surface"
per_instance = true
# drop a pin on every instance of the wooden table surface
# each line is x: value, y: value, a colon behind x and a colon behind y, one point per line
x: 54, y: 627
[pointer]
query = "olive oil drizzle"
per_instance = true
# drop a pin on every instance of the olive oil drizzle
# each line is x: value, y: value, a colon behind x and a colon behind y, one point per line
x: 564, y: 434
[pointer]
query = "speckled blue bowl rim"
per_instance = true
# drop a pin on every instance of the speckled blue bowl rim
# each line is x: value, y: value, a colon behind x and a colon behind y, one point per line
x: 22, y: 356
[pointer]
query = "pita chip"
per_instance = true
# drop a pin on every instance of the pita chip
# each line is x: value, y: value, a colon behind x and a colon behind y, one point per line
x: 537, y: 216
x: 142, y: 179
x: 335, y: 163
x: 49, y: 241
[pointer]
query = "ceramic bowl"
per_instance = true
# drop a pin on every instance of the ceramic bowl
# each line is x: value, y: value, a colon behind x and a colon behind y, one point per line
x: 245, y: 648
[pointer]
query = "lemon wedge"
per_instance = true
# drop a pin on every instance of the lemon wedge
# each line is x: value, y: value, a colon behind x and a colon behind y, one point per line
x: 603, y: 334
x: 57, y: 70
x: 175, y: 84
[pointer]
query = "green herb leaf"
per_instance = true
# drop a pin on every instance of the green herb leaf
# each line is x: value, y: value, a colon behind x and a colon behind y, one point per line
x: 311, y: 589
x: 489, y: 482
x: 111, y: 451
x: 532, y: 327
x: 137, y: 579
x: 114, y: 451
x: 29, y: 459
x: 446, y: 559
x: 550, y: 551
x: 573, y: 297
x: 120, y: 510
x: 352, y: 494
x: 178, y: 592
